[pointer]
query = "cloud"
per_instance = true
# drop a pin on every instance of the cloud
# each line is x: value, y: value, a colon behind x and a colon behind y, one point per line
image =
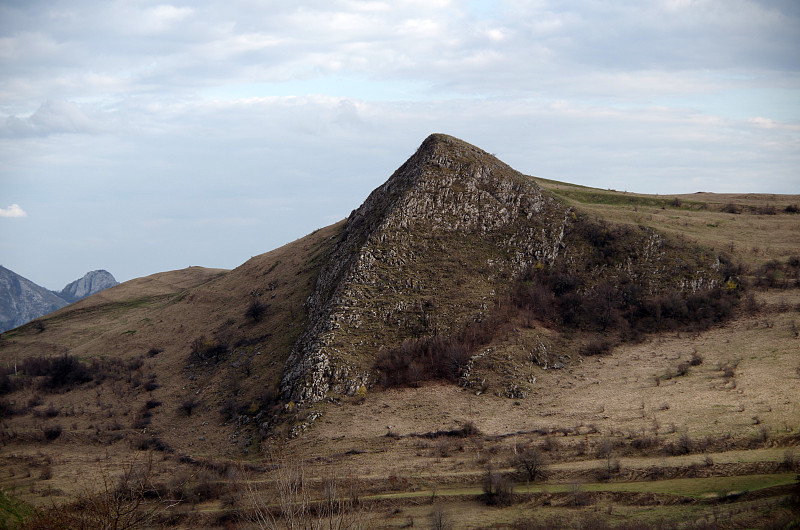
x: 52, y: 117
x: 13, y: 211
x: 156, y: 109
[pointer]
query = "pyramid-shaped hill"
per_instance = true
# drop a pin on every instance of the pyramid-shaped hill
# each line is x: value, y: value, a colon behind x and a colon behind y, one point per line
x: 439, y: 246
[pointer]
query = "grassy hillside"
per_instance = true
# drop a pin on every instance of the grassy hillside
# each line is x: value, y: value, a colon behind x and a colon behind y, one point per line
x: 165, y: 403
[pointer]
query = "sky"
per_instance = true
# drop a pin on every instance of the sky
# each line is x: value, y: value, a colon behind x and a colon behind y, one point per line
x: 143, y: 136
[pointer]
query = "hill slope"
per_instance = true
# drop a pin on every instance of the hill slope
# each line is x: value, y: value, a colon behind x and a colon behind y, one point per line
x: 438, y: 246
x: 294, y: 356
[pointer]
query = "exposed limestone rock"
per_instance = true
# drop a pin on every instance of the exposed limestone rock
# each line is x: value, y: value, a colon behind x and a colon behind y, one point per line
x: 21, y: 300
x: 437, y: 244
x: 91, y: 283
x: 425, y: 251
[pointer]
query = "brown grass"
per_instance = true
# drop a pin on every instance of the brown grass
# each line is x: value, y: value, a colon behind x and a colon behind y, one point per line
x: 560, y: 402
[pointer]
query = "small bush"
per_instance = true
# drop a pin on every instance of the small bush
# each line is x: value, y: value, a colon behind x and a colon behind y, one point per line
x: 53, y: 432
x: 766, y: 210
x: 789, y: 461
x: 792, y: 208
x: 229, y: 410
x: 597, y: 346
x: 208, y: 350
x: 8, y: 384
x: 682, y: 368
x: 59, y: 372
x: 532, y: 464
x: 732, y: 208
x: 255, y: 310
x: 145, y: 443
x: 151, y: 384
x: 497, y: 489
x: 7, y: 409
x: 187, y: 406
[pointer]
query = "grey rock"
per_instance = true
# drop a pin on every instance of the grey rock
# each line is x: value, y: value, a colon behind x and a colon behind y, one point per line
x: 386, y: 264
x: 21, y: 300
x: 91, y: 283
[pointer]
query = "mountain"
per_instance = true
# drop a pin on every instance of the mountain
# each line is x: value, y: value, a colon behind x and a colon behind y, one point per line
x: 93, y: 282
x: 463, y: 317
x: 21, y: 300
x: 435, y: 248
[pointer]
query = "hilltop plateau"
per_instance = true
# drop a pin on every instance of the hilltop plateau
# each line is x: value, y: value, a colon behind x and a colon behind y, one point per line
x: 471, y: 347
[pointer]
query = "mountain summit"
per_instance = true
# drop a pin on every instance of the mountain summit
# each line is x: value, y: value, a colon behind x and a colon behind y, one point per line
x: 427, y: 251
x: 21, y: 300
x: 91, y: 283
x: 439, y: 247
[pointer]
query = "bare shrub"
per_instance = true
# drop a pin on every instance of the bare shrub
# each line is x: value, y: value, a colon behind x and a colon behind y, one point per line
x: 696, y: 359
x: 52, y: 432
x: 497, y: 489
x: 187, y: 406
x: 57, y: 372
x: 440, y: 520
x: 204, y: 350
x: 682, y: 369
x: 120, y: 502
x: 532, y: 464
x: 46, y: 473
x: 256, y: 310
x: 596, y: 346
x: 289, y: 501
x: 789, y: 462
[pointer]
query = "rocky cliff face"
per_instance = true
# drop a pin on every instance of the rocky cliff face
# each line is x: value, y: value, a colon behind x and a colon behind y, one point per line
x: 426, y: 251
x: 93, y: 282
x: 21, y: 300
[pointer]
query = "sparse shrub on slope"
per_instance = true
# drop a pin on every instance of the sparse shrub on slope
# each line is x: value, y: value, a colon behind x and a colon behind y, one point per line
x: 436, y: 357
x: 57, y: 372
x: 775, y: 274
x: 605, y: 286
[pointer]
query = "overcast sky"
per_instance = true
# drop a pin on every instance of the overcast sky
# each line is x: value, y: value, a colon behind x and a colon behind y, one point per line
x: 142, y: 136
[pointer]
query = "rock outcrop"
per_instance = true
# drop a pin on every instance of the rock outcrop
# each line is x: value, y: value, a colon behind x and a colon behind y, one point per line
x: 427, y: 251
x: 91, y: 283
x: 438, y: 246
x: 21, y: 300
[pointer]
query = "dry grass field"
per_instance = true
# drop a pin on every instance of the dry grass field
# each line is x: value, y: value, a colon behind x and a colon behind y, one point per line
x: 689, y: 429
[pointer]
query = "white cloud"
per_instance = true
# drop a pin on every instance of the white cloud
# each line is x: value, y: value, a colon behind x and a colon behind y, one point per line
x: 52, y: 117
x: 13, y: 211
x: 180, y: 109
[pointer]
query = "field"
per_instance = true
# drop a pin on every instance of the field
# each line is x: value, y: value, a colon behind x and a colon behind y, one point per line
x: 689, y: 429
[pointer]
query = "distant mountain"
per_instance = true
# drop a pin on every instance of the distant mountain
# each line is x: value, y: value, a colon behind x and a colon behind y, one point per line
x: 21, y: 300
x: 93, y: 282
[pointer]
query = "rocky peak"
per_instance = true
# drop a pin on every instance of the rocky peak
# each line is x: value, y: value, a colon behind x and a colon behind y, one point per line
x: 91, y: 283
x: 426, y: 250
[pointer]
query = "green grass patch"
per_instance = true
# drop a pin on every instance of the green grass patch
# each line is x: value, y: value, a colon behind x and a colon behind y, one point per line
x: 13, y: 512
x: 612, y: 198
x: 694, y: 487
x: 683, y: 487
